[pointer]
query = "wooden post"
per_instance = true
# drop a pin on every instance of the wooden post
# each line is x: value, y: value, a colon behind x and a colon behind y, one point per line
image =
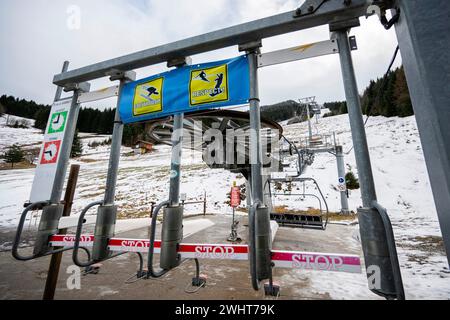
x: 55, y: 262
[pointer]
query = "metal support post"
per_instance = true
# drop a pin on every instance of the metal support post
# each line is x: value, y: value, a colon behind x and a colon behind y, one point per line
x: 114, y: 158
x: 361, y: 148
x: 106, y: 214
x: 255, y: 132
x: 341, y: 175
x: 308, y: 114
x: 172, y: 235
x: 259, y: 214
x: 377, y: 239
x: 172, y: 228
x: 424, y: 40
x: 175, y: 166
x: 59, y: 89
x: 66, y: 147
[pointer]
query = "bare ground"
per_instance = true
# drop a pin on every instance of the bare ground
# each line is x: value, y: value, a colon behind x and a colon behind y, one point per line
x: 229, y: 280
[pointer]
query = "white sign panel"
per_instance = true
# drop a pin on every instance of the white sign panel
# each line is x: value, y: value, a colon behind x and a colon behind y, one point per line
x: 50, y: 151
x: 85, y: 97
x: 298, y: 53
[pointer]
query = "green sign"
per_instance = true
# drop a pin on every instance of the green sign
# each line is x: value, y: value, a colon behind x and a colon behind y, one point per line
x: 58, y: 122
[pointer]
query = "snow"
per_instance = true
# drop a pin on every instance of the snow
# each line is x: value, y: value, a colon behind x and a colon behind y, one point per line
x: 403, y: 187
x: 24, y: 137
x: 400, y: 174
x: 399, y: 170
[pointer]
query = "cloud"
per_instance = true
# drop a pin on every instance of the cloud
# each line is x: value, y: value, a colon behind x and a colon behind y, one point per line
x: 36, y: 40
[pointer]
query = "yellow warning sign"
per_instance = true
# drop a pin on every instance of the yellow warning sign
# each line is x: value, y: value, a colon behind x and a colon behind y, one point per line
x: 208, y: 85
x: 148, y: 97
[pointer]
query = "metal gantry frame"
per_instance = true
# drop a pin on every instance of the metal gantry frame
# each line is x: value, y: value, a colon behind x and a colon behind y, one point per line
x: 376, y: 233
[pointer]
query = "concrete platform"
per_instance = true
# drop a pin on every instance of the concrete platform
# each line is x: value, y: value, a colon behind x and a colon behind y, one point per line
x: 229, y: 280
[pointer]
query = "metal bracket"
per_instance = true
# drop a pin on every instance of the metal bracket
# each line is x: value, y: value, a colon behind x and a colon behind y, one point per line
x: 344, y: 25
x: 121, y: 75
x: 353, y: 43
x: 379, y: 8
x: 250, y: 46
x: 388, y: 24
x: 179, y: 62
x: 199, y: 282
x: 308, y: 7
x: 271, y: 290
x: 82, y: 87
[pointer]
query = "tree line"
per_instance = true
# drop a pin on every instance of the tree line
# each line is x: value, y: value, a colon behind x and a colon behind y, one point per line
x: 89, y: 120
x: 387, y: 96
x: 282, y: 111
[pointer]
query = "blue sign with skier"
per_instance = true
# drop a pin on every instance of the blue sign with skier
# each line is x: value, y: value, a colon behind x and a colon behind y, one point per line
x: 186, y: 89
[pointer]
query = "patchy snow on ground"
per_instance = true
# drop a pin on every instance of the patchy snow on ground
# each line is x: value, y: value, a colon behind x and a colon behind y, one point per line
x: 24, y: 137
x: 400, y: 175
x: 398, y: 166
x: 403, y: 187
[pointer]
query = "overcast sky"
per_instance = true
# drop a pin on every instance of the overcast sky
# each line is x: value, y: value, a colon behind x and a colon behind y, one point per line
x: 35, y: 40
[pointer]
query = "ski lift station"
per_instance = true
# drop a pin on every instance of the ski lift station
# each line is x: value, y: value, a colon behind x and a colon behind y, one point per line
x: 188, y: 108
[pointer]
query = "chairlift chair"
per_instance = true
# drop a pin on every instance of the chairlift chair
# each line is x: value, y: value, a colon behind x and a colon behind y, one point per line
x: 301, y: 220
x: 295, y: 219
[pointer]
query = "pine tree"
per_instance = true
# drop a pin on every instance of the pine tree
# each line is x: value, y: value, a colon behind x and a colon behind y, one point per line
x: 368, y: 98
x: 14, y: 155
x: 351, y: 181
x: 77, y: 147
x: 41, y: 117
x: 2, y: 110
x: 387, y: 96
x: 401, y: 93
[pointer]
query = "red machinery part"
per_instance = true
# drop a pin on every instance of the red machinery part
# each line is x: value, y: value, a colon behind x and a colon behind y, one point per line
x: 235, y: 197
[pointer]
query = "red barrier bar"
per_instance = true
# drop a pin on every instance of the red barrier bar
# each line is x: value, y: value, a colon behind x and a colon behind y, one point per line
x: 282, y: 259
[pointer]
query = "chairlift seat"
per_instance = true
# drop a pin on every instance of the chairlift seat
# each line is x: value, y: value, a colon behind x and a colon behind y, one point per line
x: 306, y: 221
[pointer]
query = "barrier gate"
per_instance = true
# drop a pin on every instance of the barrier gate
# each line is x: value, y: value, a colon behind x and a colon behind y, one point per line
x: 191, y: 88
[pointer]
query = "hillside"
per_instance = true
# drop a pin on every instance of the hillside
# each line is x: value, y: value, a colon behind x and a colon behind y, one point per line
x: 25, y: 137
